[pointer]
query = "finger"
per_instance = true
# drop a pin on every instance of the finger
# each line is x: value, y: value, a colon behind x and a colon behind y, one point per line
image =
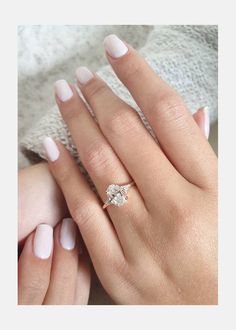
x: 173, y: 125
x: 102, y: 164
x: 65, y: 265
x: 95, y: 227
x: 34, y: 266
x: 82, y: 290
x: 201, y: 118
x: 127, y: 135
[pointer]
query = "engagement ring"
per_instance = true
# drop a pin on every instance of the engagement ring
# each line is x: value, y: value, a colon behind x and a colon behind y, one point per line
x: 117, y: 195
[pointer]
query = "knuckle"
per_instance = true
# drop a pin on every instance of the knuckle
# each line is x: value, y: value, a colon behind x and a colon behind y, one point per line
x: 64, y: 175
x: 122, y: 122
x: 121, y: 267
x: 132, y: 72
x: 72, y: 112
x: 97, y: 158
x: 96, y: 88
x: 83, y: 213
x: 169, y: 107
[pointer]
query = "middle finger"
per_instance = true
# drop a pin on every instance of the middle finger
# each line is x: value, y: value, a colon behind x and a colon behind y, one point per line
x: 133, y: 144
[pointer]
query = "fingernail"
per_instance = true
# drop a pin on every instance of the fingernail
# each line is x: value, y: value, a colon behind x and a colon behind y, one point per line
x: 63, y: 90
x: 68, y: 234
x: 206, y: 122
x: 43, y: 241
x: 114, y: 46
x: 84, y: 75
x: 51, y: 149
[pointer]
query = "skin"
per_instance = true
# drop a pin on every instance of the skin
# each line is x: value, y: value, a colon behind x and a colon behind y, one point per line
x: 62, y: 279
x: 35, y: 284
x: 161, y: 246
x: 45, y: 191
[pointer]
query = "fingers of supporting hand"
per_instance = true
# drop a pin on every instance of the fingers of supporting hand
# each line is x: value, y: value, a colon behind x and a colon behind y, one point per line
x: 49, y: 270
x: 35, y: 266
x: 163, y: 107
x: 65, y: 265
x: 85, y: 208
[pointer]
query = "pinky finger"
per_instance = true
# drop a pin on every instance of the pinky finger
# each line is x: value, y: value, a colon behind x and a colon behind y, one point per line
x: 201, y: 118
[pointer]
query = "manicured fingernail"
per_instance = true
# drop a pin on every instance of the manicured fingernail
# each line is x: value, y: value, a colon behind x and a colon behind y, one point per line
x: 51, y: 149
x: 43, y: 241
x: 206, y: 122
x: 114, y: 46
x: 84, y: 75
x: 63, y: 90
x: 68, y: 234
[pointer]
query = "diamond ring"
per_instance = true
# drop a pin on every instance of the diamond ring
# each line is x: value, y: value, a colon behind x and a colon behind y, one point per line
x: 117, y: 195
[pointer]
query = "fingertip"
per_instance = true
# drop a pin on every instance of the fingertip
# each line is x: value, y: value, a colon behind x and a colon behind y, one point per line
x: 51, y: 148
x: 43, y: 241
x: 63, y: 90
x: 68, y: 231
x: 201, y: 117
x: 114, y: 46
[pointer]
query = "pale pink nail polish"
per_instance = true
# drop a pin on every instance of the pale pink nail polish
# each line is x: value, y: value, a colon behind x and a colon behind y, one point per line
x: 63, y: 90
x: 68, y: 234
x: 114, y: 46
x: 43, y: 241
x: 206, y: 121
x: 51, y: 149
x: 84, y: 75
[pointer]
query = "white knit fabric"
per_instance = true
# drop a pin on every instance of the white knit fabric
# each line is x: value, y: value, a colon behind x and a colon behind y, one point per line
x: 184, y: 56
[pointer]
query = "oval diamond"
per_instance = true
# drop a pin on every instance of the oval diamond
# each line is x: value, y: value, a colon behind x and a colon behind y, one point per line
x: 116, y: 194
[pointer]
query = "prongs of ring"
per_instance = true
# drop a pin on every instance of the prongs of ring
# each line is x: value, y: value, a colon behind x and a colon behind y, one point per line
x: 106, y: 204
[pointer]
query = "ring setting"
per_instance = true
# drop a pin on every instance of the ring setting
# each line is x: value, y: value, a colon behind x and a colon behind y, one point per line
x: 117, y: 195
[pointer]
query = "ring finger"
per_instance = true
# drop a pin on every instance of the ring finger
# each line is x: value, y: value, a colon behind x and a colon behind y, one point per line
x: 100, y: 160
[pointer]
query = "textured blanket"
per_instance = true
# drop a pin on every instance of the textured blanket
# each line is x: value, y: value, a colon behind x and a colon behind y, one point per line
x: 184, y: 56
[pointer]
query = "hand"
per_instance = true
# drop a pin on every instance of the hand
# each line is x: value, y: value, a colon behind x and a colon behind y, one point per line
x: 161, y: 246
x: 51, y: 271
x: 37, y: 187
x: 41, y: 200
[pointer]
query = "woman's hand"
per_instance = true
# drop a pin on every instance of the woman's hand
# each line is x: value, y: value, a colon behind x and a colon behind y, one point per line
x: 41, y: 200
x: 51, y: 271
x: 161, y: 246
